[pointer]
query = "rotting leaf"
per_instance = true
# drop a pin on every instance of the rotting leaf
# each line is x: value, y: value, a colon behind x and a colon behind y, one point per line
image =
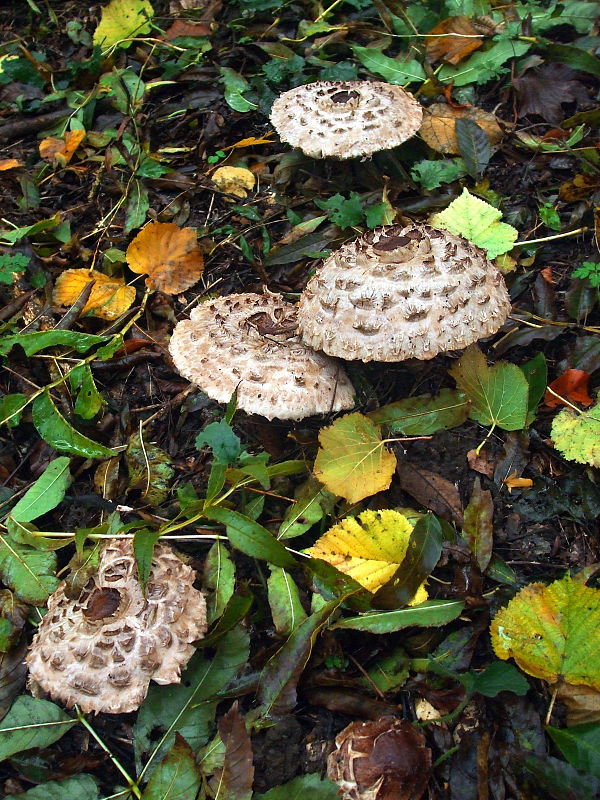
x: 477, y: 527
x: 439, y: 126
x: 237, y: 181
x: 168, y: 254
x: 109, y: 298
x: 234, y: 780
x: 150, y: 470
x: 577, y: 436
x: 431, y: 490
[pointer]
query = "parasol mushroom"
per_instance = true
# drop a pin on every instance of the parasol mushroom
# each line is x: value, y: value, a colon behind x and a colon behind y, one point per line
x: 345, y: 119
x: 100, y: 650
x: 402, y: 292
x: 249, y: 342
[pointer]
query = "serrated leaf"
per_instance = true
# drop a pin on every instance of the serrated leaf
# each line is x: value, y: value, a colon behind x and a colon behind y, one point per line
x: 474, y: 146
x: 30, y: 573
x: 424, y: 414
x: 477, y: 221
x: 60, y: 434
x: 284, y: 601
x: 32, y: 343
x: 552, y: 632
x: 580, y: 745
x: 352, y: 461
x: 250, y: 537
x: 122, y: 19
x: 431, y: 613
x: 577, y: 436
x: 499, y: 395
x: 79, y: 787
x: 177, y: 777
x: 399, y: 72
x: 46, y: 493
x: 32, y: 723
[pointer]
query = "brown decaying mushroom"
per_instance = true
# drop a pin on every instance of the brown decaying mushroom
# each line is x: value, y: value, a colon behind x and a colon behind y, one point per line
x: 346, y: 119
x: 100, y: 650
x: 385, y: 759
x: 249, y: 342
x: 402, y: 292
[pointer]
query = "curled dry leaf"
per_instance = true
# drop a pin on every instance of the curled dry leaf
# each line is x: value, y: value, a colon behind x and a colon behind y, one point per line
x: 61, y: 150
x: 168, y: 254
x: 110, y: 297
x: 439, y: 126
x: 237, y: 181
x: 453, y: 39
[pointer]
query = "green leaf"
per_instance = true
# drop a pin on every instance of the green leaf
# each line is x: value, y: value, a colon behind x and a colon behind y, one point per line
x: 150, y: 470
x: 126, y: 94
x: 11, y: 408
x: 399, y: 72
x: 11, y: 263
x: 580, y: 745
x: 79, y: 787
x: 32, y: 723
x: 30, y: 573
x: 238, y: 606
x: 235, y: 84
x: 577, y: 435
x: 499, y: 677
x: 378, y: 214
x: 60, y: 434
x: 40, y: 226
x: 89, y: 400
x: 34, y: 342
x: 484, y: 65
x: 536, y: 373
x: 431, y: 174
x: 143, y: 550
x: 574, y: 57
x: 313, y: 502
x: 310, y: 785
x: 177, y: 777
x: 250, y: 537
x: 499, y: 395
x: 46, y: 493
x: 138, y: 203
x: 557, y: 779
x: 219, y: 579
x: 224, y: 443
x: 478, y: 530
x: 477, y: 221
x: 474, y: 146
x: 431, y: 613
x: 423, y: 415
x: 284, y: 601
x: 122, y: 19
x: 346, y: 213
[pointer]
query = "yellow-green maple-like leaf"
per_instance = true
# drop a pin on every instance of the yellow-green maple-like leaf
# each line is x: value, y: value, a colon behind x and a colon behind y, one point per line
x: 552, y: 632
x: 577, y: 436
x: 369, y: 548
x: 122, y: 19
x: 477, y: 221
x: 352, y: 461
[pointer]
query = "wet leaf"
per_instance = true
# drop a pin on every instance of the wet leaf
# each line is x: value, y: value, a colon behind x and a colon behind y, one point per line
x: 235, y: 779
x: 46, y: 493
x: 284, y: 601
x: 237, y: 181
x: 478, y: 527
x: 250, y: 537
x: 577, y: 436
x: 441, y: 46
x: 122, y: 19
x: 439, y: 126
x: 477, y: 221
x: 169, y: 255
x: 557, y: 779
x: 431, y: 490
x: 423, y: 415
x: 352, y: 461
x: 61, y: 150
x: 109, y: 298
x: 150, y: 470
x: 177, y: 777
x: 30, y: 573
x: 573, y: 385
x: 552, y: 632
x: 32, y: 723
x: 474, y: 146
x: 78, y: 787
x: 580, y: 745
x: 431, y: 613
x: 60, y: 434
x: 13, y: 615
x: 543, y: 90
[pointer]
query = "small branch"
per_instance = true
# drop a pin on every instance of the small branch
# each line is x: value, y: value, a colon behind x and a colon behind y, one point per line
x: 551, y: 238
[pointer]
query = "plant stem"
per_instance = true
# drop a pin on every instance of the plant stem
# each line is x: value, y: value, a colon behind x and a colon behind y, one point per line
x: 551, y: 238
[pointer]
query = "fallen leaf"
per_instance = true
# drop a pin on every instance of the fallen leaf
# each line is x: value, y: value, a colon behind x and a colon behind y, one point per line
x: 439, y: 126
x: 548, y: 275
x: 452, y: 48
x: 122, y: 19
x: 431, y: 491
x: 237, y: 181
x: 184, y: 27
x: 582, y: 702
x: 483, y: 462
x: 477, y: 528
x: 168, y: 254
x: 580, y: 187
x: 577, y: 436
x: 543, y: 90
x: 9, y: 163
x: 110, y: 297
x: 61, y: 150
x: 251, y: 141
x: 572, y: 385
x: 150, y: 470
x: 513, y: 482
x: 234, y: 779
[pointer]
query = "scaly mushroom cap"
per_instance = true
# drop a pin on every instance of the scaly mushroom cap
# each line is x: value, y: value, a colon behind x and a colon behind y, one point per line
x: 101, y: 650
x: 402, y: 292
x: 347, y: 118
x: 249, y: 342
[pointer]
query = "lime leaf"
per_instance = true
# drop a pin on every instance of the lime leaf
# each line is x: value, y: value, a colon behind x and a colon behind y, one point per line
x: 580, y: 745
x: 46, y: 493
x: 122, y: 19
x: 32, y: 723
x: 577, y: 436
x: 552, y: 632
x: 499, y: 395
x: 79, y: 787
x: 250, y: 537
x: 477, y: 221
x: 284, y: 601
x: 393, y: 71
x: 27, y: 571
x: 58, y: 433
x: 352, y: 461
x: 424, y: 414
x: 177, y: 777
x: 431, y: 613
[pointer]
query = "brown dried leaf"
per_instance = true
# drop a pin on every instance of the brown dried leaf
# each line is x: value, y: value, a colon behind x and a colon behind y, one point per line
x: 431, y: 491
x: 184, y: 27
x: 582, y: 702
x: 109, y: 298
x: 168, y: 254
x: 483, y: 462
x: 542, y: 91
x: 579, y: 188
x: 235, y: 778
x: 439, y: 126
x: 61, y: 150
x: 452, y: 48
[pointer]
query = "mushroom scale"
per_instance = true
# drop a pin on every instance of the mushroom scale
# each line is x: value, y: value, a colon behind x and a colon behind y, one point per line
x: 346, y: 119
x: 100, y: 650
x: 402, y: 292
x: 249, y: 342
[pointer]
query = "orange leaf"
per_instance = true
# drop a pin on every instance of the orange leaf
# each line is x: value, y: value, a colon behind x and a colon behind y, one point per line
x: 572, y: 384
x: 168, y: 254
x: 9, y: 163
x: 548, y: 276
x: 439, y: 126
x: 452, y: 48
x: 61, y: 149
x: 512, y: 482
x: 250, y: 142
x: 108, y: 300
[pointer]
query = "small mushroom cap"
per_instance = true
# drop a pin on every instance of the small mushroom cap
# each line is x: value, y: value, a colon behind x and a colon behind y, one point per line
x: 100, y: 650
x: 249, y: 342
x: 402, y: 292
x: 346, y: 119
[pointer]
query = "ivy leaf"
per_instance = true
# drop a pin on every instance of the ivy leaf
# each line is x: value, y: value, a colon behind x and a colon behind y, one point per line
x: 352, y: 461
x: 477, y: 221
x: 399, y: 72
x: 499, y: 395
x: 577, y: 436
x: 46, y: 493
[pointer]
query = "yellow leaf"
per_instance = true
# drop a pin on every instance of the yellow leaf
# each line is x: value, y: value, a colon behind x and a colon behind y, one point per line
x: 512, y: 482
x: 369, y: 548
x: 251, y: 141
x: 9, y: 163
x: 168, y: 254
x: 352, y: 461
x: 439, y: 126
x: 234, y: 180
x: 552, y: 632
x: 61, y: 149
x: 122, y: 19
x: 108, y: 300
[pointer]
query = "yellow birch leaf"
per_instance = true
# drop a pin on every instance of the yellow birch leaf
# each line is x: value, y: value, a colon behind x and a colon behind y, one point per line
x: 352, y: 461
x: 9, y: 163
x: 109, y: 299
x: 122, y: 19
x: 61, y: 149
x: 237, y: 181
x: 552, y: 632
x: 369, y: 548
x: 168, y: 254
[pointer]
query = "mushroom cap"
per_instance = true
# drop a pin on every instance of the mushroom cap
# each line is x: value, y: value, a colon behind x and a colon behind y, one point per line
x: 345, y: 119
x: 100, y: 650
x: 249, y: 342
x: 402, y: 292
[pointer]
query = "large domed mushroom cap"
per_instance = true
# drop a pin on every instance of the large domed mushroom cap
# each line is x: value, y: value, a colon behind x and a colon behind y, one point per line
x: 347, y: 118
x: 402, y: 292
x: 249, y: 342
x: 100, y: 650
